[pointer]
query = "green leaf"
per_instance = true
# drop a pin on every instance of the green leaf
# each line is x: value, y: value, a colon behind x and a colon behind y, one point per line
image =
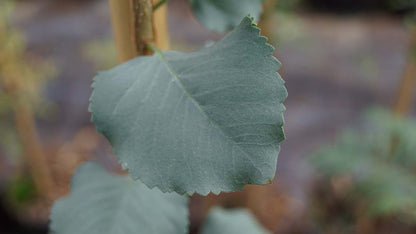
x: 102, y: 203
x: 222, y: 15
x: 204, y: 121
x: 236, y: 221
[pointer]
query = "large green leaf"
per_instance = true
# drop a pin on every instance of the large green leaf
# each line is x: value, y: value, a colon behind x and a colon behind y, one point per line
x: 204, y: 121
x: 221, y: 15
x: 102, y: 203
x: 236, y: 221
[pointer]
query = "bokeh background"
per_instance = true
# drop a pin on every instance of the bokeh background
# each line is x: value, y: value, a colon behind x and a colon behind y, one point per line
x: 348, y: 164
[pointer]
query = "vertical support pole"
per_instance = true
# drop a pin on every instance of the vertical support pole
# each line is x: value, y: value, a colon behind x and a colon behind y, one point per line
x: 121, y: 17
x: 161, y: 33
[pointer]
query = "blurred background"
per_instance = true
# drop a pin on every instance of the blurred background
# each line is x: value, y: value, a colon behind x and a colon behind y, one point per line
x: 348, y: 164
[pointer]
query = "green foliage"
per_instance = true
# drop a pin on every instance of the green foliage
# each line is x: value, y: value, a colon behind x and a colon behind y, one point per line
x: 238, y: 221
x: 205, y: 121
x: 380, y: 160
x: 20, y: 190
x: 222, y: 15
x: 103, y: 203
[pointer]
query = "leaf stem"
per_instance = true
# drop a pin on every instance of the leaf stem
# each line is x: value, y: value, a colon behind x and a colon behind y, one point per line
x: 143, y: 26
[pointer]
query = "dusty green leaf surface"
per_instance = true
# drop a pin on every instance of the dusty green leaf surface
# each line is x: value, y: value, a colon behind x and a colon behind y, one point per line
x: 236, y: 221
x: 103, y: 203
x: 222, y: 15
x: 205, y: 121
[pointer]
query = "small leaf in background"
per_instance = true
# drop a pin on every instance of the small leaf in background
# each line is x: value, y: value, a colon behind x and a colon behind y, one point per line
x: 222, y: 15
x: 235, y: 221
x: 205, y: 121
x: 103, y: 203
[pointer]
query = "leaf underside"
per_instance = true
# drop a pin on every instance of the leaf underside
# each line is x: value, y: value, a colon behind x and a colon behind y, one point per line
x: 102, y: 203
x: 222, y: 15
x: 206, y: 121
x: 237, y: 221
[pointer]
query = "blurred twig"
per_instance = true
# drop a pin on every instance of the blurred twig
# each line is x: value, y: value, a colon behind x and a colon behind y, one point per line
x: 33, y: 149
x: 404, y: 95
x: 21, y: 82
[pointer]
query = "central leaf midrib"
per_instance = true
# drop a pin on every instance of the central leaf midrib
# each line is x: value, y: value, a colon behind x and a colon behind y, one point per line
x: 216, y: 126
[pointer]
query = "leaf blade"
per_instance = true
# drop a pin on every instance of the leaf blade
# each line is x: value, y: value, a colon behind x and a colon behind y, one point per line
x: 104, y: 203
x: 236, y: 221
x: 188, y: 130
